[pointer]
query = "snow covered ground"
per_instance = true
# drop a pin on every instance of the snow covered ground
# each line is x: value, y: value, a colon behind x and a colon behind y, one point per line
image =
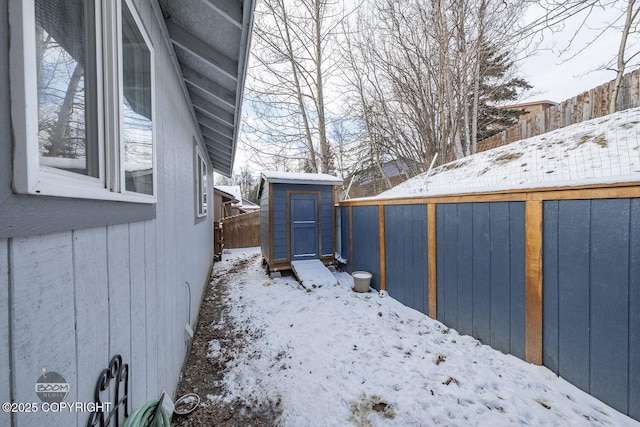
x: 335, y: 357
x: 598, y: 151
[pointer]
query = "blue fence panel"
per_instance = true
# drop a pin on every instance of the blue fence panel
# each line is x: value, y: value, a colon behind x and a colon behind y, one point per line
x: 480, y: 271
x: 406, y: 255
x: 634, y: 310
x: 344, y: 228
x: 610, y: 301
x: 591, y: 295
x: 481, y: 327
x: 366, y: 242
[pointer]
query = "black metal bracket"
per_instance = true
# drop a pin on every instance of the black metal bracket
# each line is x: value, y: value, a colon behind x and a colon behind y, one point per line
x: 111, y: 382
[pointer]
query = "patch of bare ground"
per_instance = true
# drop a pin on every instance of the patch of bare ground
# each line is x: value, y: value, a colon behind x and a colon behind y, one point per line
x: 204, y: 374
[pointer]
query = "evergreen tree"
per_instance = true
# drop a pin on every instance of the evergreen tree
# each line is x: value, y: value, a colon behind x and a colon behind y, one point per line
x: 495, y: 89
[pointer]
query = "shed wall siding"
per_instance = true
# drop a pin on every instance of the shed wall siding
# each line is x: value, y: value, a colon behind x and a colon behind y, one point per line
x: 480, y: 264
x: 280, y: 225
x: 78, y: 296
x: 592, y: 297
x: 406, y: 255
x: 366, y: 242
x: 264, y: 223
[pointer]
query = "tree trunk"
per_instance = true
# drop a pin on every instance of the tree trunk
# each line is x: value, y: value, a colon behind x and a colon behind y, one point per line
x: 58, y: 139
x: 630, y: 17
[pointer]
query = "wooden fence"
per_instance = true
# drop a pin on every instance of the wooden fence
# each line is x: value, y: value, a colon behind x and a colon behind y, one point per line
x: 586, y: 106
x: 242, y: 231
x: 551, y: 276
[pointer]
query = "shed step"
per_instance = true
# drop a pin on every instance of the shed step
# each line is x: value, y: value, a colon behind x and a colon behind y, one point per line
x: 313, y: 273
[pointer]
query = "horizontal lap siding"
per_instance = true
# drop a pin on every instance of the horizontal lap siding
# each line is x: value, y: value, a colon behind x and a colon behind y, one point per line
x: 265, y: 238
x: 591, y: 297
x: 366, y: 242
x: 480, y: 270
x: 327, y: 221
x: 406, y: 255
x: 279, y: 218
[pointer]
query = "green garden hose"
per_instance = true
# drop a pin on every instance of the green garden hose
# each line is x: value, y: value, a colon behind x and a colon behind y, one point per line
x: 142, y: 416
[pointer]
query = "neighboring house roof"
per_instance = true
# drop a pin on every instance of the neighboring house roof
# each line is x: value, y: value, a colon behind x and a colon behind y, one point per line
x: 530, y: 104
x: 225, y: 195
x: 248, y: 205
x: 234, y: 190
x: 211, y: 41
x: 300, y: 178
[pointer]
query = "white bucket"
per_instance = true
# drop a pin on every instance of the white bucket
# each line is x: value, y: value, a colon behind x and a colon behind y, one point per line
x: 361, y: 281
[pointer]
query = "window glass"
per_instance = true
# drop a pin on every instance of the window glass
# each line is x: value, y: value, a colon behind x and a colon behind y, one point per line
x: 66, y: 78
x: 137, y: 111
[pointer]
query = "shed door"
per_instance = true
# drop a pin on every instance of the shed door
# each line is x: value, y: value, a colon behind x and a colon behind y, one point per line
x: 304, y: 226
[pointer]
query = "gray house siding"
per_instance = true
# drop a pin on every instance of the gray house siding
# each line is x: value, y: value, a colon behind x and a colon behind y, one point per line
x: 407, y: 280
x: 480, y: 264
x: 82, y: 281
x: 592, y: 297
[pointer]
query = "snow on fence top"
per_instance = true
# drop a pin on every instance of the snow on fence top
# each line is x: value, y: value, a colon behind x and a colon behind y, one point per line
x: 605, y: 150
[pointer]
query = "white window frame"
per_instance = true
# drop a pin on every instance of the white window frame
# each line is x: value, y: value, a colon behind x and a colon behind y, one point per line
x: 29, y: 176
x: 202, y: 171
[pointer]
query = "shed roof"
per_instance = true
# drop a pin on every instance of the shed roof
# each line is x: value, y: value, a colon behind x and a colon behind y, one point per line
x: 300, y: 178
x: 211, y: 41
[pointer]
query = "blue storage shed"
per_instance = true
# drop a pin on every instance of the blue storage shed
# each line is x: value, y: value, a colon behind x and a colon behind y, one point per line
x: 297, y: 218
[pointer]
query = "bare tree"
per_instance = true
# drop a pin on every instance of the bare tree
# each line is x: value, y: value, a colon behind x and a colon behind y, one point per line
x: 557, y: 13
x: 417, y: 74
x: 292, y: 63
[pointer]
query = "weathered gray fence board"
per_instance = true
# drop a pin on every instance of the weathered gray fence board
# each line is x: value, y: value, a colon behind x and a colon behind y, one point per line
x: 366, y: 255
x: 137, y: 290
x: 585, y: 106
x: 92, y: 310
x: 152, y: 337
x: 609, y: 324
x: 634, y: 309
x: 118, y: 273
x: 406, y: 262
x: 5, y: 382
x: 42, y: 283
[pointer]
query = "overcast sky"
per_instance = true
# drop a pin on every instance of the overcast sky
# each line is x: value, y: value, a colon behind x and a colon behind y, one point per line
x: 557, y: 78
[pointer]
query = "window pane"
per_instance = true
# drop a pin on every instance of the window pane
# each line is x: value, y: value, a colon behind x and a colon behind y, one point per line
x: 137, y: 125
x: 67, y: 117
